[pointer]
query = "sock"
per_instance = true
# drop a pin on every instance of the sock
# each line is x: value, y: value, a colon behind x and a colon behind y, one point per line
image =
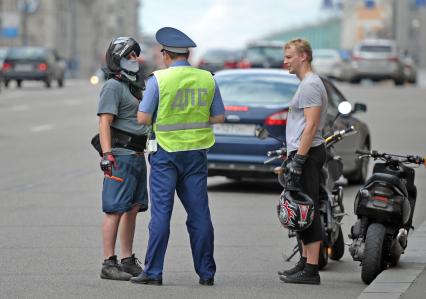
x: 112, y: 258
x: 311, y: 269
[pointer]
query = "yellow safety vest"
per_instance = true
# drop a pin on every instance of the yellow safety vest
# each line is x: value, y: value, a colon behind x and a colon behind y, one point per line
x: 185, y: 97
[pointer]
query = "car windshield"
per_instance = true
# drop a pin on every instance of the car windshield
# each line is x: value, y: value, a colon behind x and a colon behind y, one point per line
x: 216, y: 55
x: 325, y: 54
x: 2, y: 53
x: 256, y: 89
x: 375, y: 49
x: 265, y: 53
x: 26, y: 53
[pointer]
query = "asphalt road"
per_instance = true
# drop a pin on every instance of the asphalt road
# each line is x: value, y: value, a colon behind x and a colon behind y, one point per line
x: 50, y: 215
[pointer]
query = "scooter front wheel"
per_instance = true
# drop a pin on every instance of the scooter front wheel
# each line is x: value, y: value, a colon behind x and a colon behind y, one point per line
x: 338, y: 248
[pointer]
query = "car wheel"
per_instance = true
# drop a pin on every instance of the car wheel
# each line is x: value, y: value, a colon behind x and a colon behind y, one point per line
x: 6, y: 84
x: 61, y: 82
x: 355, y: 80
x: 19, y: 83
x: 413, y: 81
x: 359, y: 176
x: 48, y: 83
x: 399, y: 82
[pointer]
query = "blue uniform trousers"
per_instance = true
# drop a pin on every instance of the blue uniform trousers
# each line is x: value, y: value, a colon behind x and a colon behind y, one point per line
x: 185, y: 172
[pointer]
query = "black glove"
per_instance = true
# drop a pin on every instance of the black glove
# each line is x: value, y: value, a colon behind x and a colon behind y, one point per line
x: 293, y: 172
x: 107, y: 163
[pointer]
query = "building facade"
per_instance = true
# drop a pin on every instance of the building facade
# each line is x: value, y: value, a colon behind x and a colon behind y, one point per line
x: 410, y: 28
x: 79, y: 29
x: 322, y: 34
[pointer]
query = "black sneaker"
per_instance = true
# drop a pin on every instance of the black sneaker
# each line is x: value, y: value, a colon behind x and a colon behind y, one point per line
x: 144, y: 279
x: 302, y: 277
x: 206, y: 282
x: 299, y: 266
x: 111, y: 270
x: 131, y: 265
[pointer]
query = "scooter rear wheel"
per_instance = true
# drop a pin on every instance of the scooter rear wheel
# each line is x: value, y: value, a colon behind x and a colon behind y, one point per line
x: 373, y: 262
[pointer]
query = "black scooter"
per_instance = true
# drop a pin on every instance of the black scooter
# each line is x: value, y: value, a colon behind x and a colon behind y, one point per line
x: 384, y: 207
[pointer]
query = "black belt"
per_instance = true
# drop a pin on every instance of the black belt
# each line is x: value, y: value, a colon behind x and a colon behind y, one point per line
x: 122, y: 139
x: 127, y: 140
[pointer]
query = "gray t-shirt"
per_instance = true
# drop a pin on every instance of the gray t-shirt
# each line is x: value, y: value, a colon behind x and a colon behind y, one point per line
x: 310, y: 93
x: 116, y: 99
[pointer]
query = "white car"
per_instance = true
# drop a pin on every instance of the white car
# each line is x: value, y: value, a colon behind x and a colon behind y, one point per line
x: 331, y: 63
x: 377, y: 59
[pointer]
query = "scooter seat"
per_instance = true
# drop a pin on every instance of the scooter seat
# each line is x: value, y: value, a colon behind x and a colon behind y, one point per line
x: 388, y: 178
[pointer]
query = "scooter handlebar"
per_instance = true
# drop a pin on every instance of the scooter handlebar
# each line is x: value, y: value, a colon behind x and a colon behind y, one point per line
x: 389, y: 157
x: 276, y: 153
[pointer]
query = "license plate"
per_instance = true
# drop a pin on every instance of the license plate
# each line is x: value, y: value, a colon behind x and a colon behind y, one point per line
x: 23, y: 67
x: 234, y: 129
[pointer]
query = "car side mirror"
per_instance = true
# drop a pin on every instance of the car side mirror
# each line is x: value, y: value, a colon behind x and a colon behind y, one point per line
x: 359, y: 107
x: 261, y: 133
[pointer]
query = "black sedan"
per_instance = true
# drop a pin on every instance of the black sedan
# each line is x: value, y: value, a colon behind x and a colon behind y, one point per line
x: 260, y: 98
x: 33, y: 63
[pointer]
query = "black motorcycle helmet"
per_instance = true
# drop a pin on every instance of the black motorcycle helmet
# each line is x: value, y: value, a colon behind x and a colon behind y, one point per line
x: 118, y: 48
x: 295, y: 210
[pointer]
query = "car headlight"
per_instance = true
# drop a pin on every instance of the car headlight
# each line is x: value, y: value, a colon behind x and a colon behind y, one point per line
x: 94, y: 80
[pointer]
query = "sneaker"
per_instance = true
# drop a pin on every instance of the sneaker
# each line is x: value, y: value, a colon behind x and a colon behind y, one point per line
x: 111, y: 270
x: 299, y: 266
x: 131, y: 265
x: 302, y: 277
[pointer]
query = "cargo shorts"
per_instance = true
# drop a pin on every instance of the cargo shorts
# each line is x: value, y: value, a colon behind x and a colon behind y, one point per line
x: 127, y: 186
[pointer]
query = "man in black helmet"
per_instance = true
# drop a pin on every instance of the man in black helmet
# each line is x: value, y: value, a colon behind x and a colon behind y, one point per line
x: 123, y: 142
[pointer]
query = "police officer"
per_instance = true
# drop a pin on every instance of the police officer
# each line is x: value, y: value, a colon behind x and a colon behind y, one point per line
x: 182, y: 102
x: 305, y: 145
x: 122, y: 142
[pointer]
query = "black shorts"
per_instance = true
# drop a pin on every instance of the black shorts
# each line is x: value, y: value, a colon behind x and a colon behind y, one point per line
x: 310, y: 182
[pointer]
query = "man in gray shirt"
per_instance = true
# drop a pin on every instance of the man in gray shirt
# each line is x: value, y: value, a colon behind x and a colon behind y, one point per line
x: 306, y: 152
x: 123, y: 141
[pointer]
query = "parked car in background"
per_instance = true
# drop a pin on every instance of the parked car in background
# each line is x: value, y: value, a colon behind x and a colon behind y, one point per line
x: 332, y: 63
x: 260, y: 98
x: 410, y: 69
x: 263, y: 54
x: 217, y: 59
x: 377, y: 59
x: 147, y: 60
x: 3, y: 52
x: 33, y: 63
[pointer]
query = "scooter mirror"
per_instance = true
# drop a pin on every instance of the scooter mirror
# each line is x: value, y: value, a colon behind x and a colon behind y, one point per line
x: 345, y: 108
x: 262, y: 133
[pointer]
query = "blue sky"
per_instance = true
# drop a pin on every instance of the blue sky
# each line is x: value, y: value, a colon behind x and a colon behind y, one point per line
x: 227, y: 23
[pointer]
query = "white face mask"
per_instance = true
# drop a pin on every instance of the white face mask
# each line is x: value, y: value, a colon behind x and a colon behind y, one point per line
x: 131, y: 66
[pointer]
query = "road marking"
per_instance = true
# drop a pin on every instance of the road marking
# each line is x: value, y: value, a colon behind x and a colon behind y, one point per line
x: 41, y: 128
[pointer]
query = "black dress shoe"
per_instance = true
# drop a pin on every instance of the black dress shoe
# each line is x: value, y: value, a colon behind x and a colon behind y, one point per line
x: 207, y: 282
x: 144, y: 279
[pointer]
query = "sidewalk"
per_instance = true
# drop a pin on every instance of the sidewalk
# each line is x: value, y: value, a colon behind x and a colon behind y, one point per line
x: 421, y: 77
x: 408, y: 279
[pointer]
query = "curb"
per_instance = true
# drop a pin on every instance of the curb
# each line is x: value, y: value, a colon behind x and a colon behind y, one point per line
x: 395, y: 281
